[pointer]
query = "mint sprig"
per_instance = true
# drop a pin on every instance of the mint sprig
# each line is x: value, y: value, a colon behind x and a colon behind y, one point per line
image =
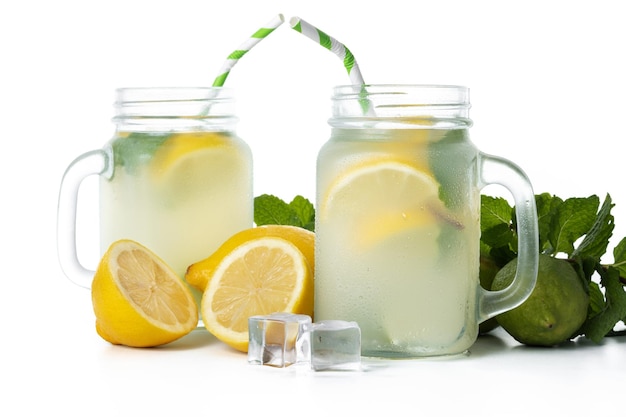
x: 269, y: 209
x: 612, y: 311
x: 136, y: 149
x: 578, y: 229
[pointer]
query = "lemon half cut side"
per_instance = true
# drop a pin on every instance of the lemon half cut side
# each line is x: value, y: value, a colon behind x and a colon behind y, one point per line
x: 198, y: 273
x: 264, y: 275
x: 138, y: 300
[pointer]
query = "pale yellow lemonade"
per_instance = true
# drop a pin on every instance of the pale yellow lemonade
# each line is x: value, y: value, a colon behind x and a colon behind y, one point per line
x: 179, y: 194
x: 397, y: 238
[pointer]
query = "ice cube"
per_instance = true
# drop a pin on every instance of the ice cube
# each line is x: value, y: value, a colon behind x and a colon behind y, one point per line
x: 335, y: 345
x: 278, y: 339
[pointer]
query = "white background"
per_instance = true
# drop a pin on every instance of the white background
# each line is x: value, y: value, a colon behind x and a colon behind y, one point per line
x: 547, y: 87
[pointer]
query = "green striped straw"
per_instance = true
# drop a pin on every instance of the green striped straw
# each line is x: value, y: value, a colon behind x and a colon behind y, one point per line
x: 236, y: 55
x: 341, y: 51
x: 332, y: 45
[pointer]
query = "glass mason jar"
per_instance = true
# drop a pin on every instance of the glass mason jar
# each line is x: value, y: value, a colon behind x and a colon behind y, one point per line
x: 175, y: 177
x: 398, y: 221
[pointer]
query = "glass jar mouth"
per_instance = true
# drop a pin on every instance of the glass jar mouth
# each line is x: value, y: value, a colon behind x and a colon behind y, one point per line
x: 417, y: 94
x: 448, y: 105
x: 171, y: 94
x: 189, y: 107
x: 430, y: 90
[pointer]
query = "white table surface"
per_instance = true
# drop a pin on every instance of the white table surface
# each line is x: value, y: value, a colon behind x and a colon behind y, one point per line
x: 61, y: 365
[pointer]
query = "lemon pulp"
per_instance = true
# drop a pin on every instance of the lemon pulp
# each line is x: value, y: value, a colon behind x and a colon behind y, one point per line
x: 138, y: 300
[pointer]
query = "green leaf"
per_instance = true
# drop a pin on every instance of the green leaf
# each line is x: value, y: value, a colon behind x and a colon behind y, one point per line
x: 269, y: 209
x: 495, y: 221
x: 570, y: 221
x: 304, y: 211
x: 619, y: 257
x: 502, y: 255
x: 596, y: 300
x: 586, y: 269
x: 614, y: 309
x: 546, y: 206
x: 597, y: 238
x: 563, y: 224
x: 451, y: 171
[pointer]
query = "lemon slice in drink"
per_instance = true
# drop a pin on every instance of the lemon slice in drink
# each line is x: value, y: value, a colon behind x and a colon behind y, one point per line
x: 181, y: 146
x: 196, y: 163
x: 261, y: 276
x: 138, y: 300
x: 383, y: 197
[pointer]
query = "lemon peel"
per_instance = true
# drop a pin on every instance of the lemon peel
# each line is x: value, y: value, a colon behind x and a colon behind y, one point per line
x: 138, y: 300
x: 260, y: 276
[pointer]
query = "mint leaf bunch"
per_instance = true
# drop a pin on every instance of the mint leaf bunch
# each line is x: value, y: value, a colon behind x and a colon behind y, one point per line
x: 577, y: 229
x: 269, y: 209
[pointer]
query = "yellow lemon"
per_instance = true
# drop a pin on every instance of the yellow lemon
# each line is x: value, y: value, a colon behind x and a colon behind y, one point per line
x: 198, y: 273
x: 138, y: 300
x: 262, y: 275
x: 383, y: 197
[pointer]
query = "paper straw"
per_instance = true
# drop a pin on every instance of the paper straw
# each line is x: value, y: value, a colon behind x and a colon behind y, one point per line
x: 331, y: 44
x: 236, y: 55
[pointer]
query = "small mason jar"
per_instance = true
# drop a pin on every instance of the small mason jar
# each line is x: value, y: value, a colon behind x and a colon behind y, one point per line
x: 398, y: 221
x: 175, y: 177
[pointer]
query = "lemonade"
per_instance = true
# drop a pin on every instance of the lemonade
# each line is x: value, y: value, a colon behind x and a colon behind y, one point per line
x: 179, y: 194
x: 391, y: 255
x: 175, y: 178
x: 397, y: 244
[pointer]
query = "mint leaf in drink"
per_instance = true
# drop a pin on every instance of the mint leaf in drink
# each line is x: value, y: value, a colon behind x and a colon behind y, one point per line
x: 136, y: 149
x: 449, y: 171
x: 269, y: 209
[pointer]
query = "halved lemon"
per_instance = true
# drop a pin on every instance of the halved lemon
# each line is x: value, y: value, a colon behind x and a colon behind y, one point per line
x: 138, y: 300
x: 198, y: 273
x: 261, y: 276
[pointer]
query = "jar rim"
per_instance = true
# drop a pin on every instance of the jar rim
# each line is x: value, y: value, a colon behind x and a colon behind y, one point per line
x: 171, y: 94
x: 174, y: 108
x: 433, y: 94
x: 400, y: 105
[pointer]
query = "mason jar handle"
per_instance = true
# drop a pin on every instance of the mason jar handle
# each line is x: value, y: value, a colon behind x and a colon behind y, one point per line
x: 496, y: 170
x: 89, y: 163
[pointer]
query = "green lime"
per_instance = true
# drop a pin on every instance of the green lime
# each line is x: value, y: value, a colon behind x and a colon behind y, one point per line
x: 554, y: 311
